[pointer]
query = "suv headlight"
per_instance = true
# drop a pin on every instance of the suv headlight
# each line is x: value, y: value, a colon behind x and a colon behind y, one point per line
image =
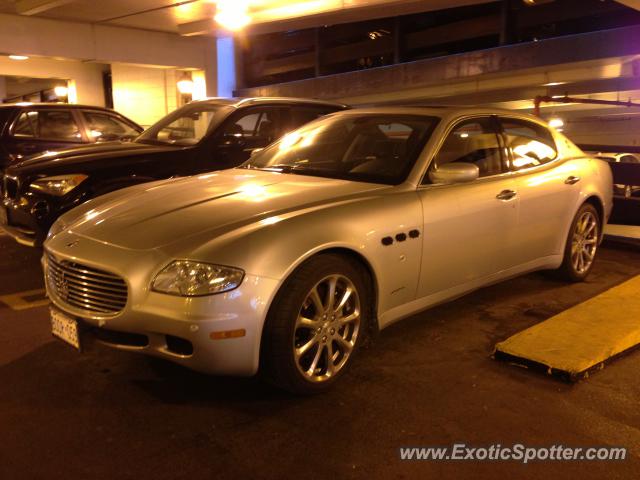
x: 59, y: 185
x: 193, y: 279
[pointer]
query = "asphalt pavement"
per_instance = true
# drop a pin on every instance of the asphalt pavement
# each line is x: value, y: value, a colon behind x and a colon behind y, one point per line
x: 427, y: 381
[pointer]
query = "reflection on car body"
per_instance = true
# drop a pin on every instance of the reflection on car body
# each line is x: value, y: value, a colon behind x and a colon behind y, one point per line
x: 200, y: 137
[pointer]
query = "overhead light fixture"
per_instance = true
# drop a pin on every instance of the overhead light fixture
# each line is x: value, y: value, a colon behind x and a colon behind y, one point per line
x: 18, y: 57
x: 553, y: 84
x: 556, y: 123
x: 185, y: 86
x: 232, y: 14
x: 61, y: 91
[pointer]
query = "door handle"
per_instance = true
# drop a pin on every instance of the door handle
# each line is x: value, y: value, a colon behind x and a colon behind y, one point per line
x: 572, y: 180
x: 506, y: 195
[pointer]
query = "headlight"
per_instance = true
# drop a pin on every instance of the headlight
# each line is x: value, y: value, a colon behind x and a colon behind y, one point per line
x: 60, y: 185
x: 192, y: 279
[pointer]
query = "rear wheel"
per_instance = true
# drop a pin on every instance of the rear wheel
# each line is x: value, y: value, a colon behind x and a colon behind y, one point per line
x: 582, y: 244
x: 316, y: 324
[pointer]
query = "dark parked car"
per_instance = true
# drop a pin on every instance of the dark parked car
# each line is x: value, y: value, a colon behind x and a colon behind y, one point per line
x: 199, y: 137
x: 29, y: 129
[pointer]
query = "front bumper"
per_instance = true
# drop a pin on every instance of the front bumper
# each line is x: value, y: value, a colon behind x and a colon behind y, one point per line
x: 28, y: 219
x: 169, y: 323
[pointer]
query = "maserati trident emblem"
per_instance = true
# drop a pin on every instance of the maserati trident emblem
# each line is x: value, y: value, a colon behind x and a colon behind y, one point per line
x: 62, y: 287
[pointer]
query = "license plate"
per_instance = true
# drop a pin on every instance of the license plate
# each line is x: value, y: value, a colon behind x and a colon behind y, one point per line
x: 65, y: 328
x: 4, y: 220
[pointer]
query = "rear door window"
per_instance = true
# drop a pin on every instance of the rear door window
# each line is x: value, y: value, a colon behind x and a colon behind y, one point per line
x: 529, y: 143
x: 257, y: 126
x: 56, y: 125
x: 105, y: 128
x: 26, y: 126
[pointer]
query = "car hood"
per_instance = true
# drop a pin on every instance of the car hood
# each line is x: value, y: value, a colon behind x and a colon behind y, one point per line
x: 168, y: 212
x: 81, y: 154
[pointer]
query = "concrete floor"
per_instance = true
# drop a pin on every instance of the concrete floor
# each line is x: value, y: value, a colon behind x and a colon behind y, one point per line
x: 426, y: 381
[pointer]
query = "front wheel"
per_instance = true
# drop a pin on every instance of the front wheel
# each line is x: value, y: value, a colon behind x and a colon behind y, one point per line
x: 582, y: 244
x: 316, y: 324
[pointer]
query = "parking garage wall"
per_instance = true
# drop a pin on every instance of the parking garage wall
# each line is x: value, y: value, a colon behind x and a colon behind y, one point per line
x: 144, y: 94
x: 86, y: 77
x: 619, y: 129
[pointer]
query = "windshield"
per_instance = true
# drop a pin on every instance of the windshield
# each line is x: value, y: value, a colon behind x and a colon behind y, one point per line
x: 377, y: 148
x: 186, y: 126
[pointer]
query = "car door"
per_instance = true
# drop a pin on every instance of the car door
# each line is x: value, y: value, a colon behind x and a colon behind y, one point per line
x: 243, y: 132
x: 548, y: 188
x: 468, y: 227
x: 39, y: 129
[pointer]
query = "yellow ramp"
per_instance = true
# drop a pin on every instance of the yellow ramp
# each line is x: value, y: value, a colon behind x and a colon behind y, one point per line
x: 578, y: 339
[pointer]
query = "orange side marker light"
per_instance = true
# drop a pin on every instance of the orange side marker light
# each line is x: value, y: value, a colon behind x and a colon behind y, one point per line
x: 224, y: 335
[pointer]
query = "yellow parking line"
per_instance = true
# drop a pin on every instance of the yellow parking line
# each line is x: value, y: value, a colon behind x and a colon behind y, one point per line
x: 18, y: 301
x: 583, y: 336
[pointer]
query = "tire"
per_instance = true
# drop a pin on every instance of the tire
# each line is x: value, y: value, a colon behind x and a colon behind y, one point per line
x: 300, y: 332
x: 582, y: 244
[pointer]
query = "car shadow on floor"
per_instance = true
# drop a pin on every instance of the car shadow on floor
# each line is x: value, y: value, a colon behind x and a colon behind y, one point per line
x: 54, y: 373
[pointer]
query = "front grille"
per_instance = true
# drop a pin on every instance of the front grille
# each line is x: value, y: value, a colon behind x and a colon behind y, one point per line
x: 10, y: 187
x: 85, y: 287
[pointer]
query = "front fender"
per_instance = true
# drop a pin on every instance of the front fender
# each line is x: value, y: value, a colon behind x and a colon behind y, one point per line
x: 275, y: 246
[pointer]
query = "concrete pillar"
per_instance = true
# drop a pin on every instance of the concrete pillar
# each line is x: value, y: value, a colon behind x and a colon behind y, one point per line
x: 226, y: 67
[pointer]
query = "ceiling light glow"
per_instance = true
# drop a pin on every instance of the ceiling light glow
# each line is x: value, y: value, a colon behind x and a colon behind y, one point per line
x: 556, y: 122
x: 18, y: 57
x: 233, y: 14
x: 186, y: 86
x: 61, y: 91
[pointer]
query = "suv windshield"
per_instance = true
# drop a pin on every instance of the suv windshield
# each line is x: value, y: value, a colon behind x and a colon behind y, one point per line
x: 376, y: 148
x: 186, y: 126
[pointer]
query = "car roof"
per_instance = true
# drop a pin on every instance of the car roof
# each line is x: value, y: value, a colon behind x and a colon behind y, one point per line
x: 447, y: 112
x: 439, y: 110
x: 242, y: 102
x: 54, y: 105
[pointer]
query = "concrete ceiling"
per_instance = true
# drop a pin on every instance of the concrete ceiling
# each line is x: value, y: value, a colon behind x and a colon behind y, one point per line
x: 195, y: 17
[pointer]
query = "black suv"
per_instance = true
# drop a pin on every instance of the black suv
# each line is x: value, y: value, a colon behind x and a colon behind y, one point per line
x: 199, y: 137
x: 27, y: 129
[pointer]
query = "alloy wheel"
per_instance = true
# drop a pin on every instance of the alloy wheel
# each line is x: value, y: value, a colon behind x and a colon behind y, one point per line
x: 327, y: 328
x: 585, y: 242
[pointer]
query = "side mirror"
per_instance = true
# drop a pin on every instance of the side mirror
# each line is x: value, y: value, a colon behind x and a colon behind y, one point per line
x: 450, y: 173
x: 255, y: 151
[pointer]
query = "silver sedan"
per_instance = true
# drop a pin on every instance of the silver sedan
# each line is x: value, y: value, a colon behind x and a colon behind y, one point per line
x: 339, y: 229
